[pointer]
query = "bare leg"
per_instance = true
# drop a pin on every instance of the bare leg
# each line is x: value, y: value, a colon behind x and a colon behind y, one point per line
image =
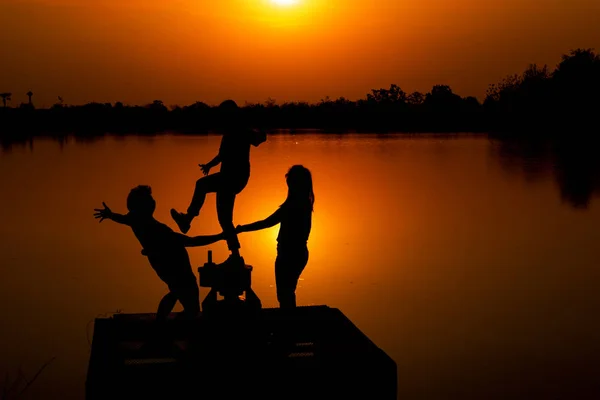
x: 207, y: 184
x: 157, y: 339
x: 165, y: 306
x: 189, y: 297
x: 225, y: 203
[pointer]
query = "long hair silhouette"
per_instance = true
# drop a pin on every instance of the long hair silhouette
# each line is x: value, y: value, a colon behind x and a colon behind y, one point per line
x: 300, y: 187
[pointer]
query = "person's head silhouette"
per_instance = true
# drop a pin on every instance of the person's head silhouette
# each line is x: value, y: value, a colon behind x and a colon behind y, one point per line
x: 229, y: 115
x: 300, y: 186
x: 140, y: 201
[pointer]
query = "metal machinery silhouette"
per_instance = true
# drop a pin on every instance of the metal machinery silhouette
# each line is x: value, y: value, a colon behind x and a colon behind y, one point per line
x: 233, y: 281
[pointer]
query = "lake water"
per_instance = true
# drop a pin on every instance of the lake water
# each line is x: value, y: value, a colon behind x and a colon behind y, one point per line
x: 473, y: 263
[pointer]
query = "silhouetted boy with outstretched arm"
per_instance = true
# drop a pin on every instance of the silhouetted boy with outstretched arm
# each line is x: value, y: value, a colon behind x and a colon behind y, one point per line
x: 165, y: 249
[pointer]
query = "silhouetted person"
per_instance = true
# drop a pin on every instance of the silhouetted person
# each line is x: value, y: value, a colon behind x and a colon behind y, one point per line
x: 295, y: 217
x: 165, y: 249
x: 234, y: 157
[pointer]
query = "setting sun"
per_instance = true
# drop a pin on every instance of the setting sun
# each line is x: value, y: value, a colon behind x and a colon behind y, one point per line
x: 284, y: 2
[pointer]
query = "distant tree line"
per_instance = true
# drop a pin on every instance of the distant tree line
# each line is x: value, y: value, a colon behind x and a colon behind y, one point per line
x: 566, y: 98
x: 539, y: 99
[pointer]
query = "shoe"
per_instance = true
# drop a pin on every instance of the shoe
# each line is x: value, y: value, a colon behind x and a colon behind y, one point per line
x: 234, y: 262
x: 182, y: 221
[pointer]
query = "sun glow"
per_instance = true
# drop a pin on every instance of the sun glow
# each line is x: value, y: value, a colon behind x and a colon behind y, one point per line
x: 284, y: 2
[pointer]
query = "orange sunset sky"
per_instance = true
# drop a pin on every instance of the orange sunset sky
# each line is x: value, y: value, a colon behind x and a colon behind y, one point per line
x: 182, y: 51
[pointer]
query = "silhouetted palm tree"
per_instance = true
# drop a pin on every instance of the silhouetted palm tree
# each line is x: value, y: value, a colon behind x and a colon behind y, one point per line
x: 29, y: 94
x: 5, y: 97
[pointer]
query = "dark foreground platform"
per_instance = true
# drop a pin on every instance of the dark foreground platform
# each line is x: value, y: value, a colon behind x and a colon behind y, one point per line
x: 308, y: 353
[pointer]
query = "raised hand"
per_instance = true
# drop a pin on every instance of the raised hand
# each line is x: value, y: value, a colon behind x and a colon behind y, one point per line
x: 103, y: 213
x: 205, y: 168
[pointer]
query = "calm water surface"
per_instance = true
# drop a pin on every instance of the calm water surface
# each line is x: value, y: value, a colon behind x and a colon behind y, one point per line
x: 472, y: 263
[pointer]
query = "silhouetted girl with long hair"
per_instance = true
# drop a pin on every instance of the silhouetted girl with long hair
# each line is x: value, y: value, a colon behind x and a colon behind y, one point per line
x: 295, y: 217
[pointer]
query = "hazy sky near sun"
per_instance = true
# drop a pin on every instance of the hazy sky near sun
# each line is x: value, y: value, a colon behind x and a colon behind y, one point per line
x: 182, y: 51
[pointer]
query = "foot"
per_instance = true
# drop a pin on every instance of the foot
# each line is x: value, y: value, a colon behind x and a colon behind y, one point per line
x: 182, y: 220
x: 234, y: 260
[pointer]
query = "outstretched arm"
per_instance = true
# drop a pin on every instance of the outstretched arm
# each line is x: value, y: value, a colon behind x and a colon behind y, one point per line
x: 186, y: 241
x: 198, y: 241
x: 212, y: 163
x: 106, y: 213
x: 268, y: 222
x: 215, y: 161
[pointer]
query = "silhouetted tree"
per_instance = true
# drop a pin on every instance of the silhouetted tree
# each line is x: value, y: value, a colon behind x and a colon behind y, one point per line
x: 198, y: 106
x: 538, y: 98
x: 158, y: 106
x: 29, y: 95
x: 60, y: 103
x: 415, y: 98
x: 441, y: 98
x: 392, y: 95
x: 535, y: 100
x: 577, y: 80
x: 5, y: 97
x: 270, y: 103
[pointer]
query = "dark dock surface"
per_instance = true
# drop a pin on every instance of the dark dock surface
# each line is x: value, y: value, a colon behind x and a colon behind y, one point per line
x: 308, y: 353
